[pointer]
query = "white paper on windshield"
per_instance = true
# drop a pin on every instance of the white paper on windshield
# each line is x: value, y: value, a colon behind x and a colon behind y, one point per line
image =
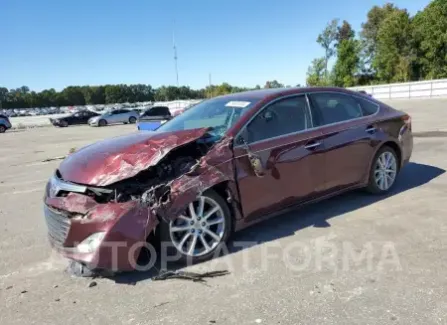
x: 237, y: 104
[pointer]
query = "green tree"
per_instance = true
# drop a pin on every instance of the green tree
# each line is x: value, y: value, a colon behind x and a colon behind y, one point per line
x: 430, y: 36
x: 3, y: 96
x: 273, y: 84
x: 344, y: 32
x: 316, y: 74
x: 327, y: 40
x: 73, y: 95
x: 94, y: 94
x: 370, y: 29
x: 346, y: 66
x: 394, y: 56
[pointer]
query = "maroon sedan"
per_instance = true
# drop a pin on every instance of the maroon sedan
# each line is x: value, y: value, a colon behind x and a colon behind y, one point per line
x: 225, y: 164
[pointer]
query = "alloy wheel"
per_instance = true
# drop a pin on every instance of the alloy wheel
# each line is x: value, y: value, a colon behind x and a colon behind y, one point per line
x: 199, y: 229
x: 385, y: 170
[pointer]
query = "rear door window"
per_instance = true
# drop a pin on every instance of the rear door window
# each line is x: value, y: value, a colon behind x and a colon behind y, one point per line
x: 332, y: 107
x: 283, y: 117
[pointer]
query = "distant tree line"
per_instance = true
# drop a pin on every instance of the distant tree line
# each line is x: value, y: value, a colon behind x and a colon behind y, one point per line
x: 110, y: 94
x: 392, y: 46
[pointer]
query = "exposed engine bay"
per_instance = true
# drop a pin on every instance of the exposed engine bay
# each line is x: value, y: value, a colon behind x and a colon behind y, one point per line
x: 152, y: 184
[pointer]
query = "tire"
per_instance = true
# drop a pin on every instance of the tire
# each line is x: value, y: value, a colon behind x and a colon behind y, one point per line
x: 102, y: 123
x: 380, y: 177
x: 172, y: 240
x: 132, y: 120
x: 2, y: 129
x: 64, y: 124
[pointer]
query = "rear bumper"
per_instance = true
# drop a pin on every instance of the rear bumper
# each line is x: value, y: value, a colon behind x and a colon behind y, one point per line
x: 124, y: 226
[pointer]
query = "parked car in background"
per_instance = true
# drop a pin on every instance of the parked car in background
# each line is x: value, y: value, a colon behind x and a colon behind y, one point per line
x: 5, y: 124
x: 114, y: 117
x: 223, y: 165
x: 77, y: 118
x: 179, y: 111
x: 153, y: 117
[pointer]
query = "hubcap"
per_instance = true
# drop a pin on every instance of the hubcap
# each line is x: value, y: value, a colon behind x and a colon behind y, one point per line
x: 385, y: 170
x: 199, y: 229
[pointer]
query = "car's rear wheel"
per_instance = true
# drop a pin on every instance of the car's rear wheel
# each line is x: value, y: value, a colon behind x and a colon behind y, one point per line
x: 200, y: 232
x: 384, y: 171
x: 102, y: 122
x: 132, y: 120
x: 2, y: 129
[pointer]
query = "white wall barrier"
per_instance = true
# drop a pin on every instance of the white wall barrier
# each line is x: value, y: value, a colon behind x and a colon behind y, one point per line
x: 417, y: 89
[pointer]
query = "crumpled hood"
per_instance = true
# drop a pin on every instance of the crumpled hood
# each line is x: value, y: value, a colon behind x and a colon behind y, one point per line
x: 111, y: 160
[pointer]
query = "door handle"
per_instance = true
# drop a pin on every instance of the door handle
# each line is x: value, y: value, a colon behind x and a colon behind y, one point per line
x: 312, y: 145
x: 371, y: 129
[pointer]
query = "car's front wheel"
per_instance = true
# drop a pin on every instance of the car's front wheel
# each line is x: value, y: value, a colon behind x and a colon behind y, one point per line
x: 2, y: 129
x: 102, y: 122
x: 384, y: 170
x: 199, y: 233
x: 132, y: 120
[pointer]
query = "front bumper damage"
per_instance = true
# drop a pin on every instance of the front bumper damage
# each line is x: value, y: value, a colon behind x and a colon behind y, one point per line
x: 124, y: 225
x: 120, y: 229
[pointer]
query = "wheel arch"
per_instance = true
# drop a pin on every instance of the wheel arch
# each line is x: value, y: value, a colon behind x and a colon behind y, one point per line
x: 397, y: 149
x: 229, y: 192
x: 388, y: 143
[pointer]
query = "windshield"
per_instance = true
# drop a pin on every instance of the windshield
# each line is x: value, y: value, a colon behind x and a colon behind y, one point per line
x: 218, y: 113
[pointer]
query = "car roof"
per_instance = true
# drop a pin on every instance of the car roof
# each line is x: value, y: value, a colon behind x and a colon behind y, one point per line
x: 276, y: 92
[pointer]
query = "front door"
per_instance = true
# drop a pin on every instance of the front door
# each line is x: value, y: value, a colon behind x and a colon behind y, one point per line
x: 287, y: 163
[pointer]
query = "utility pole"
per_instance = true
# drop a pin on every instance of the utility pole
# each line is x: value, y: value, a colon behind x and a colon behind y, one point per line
x: 175, y: 54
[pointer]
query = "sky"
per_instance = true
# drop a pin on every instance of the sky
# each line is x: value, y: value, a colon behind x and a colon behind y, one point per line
x: 57, y: 43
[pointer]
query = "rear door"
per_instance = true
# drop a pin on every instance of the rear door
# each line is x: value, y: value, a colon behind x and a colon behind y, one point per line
x: 287, y: 151
x: 117, y: 116
x: 349, y: 133
x: 124, y: 116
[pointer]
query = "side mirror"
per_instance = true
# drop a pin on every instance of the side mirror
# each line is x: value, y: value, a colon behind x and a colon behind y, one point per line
x: 255, y: 160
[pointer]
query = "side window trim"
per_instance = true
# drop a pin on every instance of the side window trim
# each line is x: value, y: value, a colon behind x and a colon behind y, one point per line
x: 314, y: 111
x: 266, y: 106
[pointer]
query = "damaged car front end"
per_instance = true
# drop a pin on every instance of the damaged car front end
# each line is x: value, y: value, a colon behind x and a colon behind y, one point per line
x: 104, y: 200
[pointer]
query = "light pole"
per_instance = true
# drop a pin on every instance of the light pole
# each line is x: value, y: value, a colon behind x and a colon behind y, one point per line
x: 175, y: 55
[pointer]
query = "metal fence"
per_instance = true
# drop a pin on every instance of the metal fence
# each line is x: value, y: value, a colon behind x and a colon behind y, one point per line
x: 417, y: 89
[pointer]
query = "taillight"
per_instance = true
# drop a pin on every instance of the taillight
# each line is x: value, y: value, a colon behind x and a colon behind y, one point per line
x: 407, y: 120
